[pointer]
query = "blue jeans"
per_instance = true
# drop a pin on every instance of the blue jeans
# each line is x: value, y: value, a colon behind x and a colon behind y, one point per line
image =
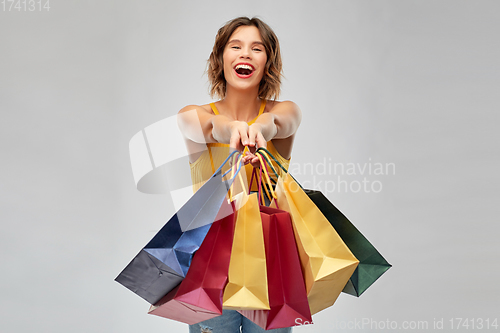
x: 230, y: 322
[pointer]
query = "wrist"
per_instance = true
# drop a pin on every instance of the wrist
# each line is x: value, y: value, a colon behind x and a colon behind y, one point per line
x: 266, y: 127
x: 221, y: 129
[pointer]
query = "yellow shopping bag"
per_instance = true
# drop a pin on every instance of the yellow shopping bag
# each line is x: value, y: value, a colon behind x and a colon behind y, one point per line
x: 247, y: 278
x: 326, y: 261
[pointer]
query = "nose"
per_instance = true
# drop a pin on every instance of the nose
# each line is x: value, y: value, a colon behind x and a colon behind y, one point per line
x: 245, y: 53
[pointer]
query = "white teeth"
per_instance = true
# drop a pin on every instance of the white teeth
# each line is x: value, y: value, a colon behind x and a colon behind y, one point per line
x: 243, y: 66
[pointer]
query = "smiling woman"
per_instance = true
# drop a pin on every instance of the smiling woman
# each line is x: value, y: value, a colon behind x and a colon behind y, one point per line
x: 244, y: 70
x: 264, y: 42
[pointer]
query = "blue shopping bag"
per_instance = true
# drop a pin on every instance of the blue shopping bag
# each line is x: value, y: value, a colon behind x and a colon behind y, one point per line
x: 163, y: 263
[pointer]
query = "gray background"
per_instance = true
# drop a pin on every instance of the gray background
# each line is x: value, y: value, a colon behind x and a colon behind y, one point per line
x: 414, y: 83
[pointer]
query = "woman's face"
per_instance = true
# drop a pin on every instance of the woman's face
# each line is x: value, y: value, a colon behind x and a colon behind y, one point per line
x: 244, y: 58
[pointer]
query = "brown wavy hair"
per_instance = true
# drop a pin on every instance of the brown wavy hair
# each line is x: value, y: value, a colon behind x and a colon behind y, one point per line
x: 270, y: 85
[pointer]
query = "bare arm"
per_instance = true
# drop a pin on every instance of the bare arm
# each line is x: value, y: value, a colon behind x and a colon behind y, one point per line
x: 195, y: 124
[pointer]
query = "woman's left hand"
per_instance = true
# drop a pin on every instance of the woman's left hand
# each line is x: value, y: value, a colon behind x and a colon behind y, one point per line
x: 255, y: 137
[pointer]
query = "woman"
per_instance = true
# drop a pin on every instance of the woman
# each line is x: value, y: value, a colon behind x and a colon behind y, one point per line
x: 244, y: 70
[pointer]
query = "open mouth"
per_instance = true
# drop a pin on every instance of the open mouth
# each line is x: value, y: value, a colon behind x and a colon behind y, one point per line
x: 244, y: 70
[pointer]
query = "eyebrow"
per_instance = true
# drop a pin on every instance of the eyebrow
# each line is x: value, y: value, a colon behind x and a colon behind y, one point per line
x: 239, y: 41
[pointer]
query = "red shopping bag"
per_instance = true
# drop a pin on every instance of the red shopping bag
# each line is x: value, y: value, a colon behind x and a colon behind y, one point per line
x: 199, y: 296
x: 287, y: 290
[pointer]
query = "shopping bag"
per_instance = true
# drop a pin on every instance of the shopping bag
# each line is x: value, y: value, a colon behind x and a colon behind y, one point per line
x: 163, y: 263
x: 247, y: 276
x: 287, y: 292
x: 327, y: 263
x: 199, y: 296
x: 371, y: 263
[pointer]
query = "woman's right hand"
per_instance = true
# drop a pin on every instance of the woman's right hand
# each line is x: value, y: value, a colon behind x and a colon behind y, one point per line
x: 239, y: 135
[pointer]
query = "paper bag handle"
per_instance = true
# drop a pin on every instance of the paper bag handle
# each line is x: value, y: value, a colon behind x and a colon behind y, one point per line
x: 265, y: 152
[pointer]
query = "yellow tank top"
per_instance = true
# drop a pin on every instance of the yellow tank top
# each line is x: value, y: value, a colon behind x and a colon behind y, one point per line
x: 215, y: 155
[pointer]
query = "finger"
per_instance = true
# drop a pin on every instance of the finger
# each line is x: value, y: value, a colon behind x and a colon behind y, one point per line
x: 261, y: 142
x: 249, y: 155
x: 235, y: 141
x: 252, y: 134
x: 255, y: 164
x: 243, y: 136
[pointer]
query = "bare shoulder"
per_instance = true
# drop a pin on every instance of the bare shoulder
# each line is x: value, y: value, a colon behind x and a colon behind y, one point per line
x: 286, y: 110
x: 205, y: 108
x: 288, y: 106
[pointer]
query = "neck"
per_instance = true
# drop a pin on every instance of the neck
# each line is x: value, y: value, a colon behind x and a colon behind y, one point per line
x: 242, y: 105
